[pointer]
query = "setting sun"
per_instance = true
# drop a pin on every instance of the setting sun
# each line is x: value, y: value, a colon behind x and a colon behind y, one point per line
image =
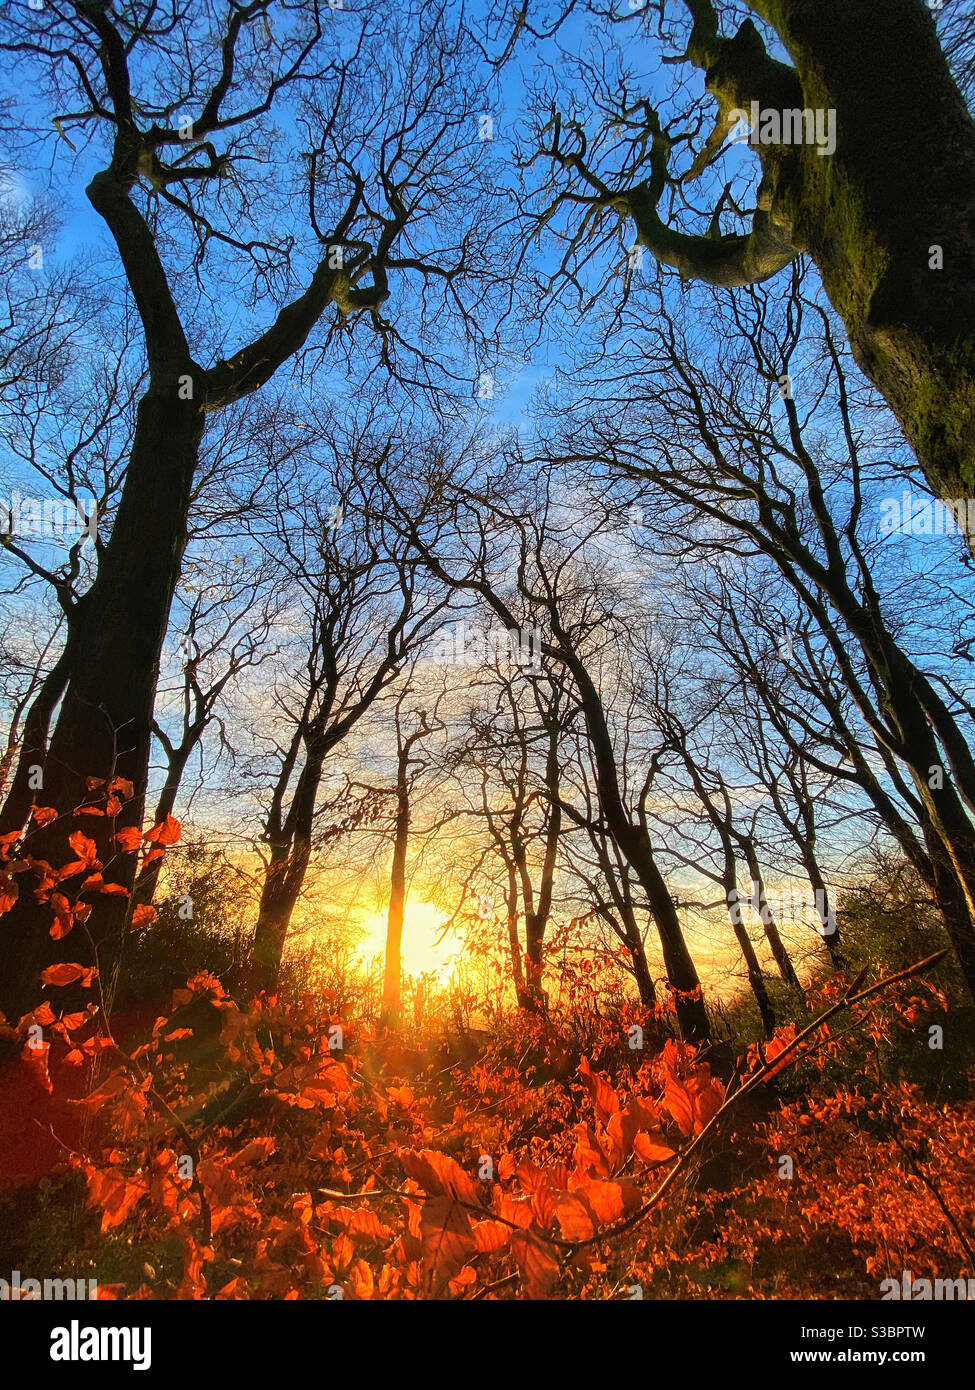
x: 423, y: 951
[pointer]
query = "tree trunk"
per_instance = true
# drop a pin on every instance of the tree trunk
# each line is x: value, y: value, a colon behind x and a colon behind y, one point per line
x: 641, y: 969
x: 634, y: 844
x: 777, y: 946
x: 828, y: 930
x: 279, y: 895
x: 681, y: 971
x: 392, y: 976
x: 537, y: 999
x: 145, y: 887
x: 626, y: 928
x: 537, y: 913
x: 888, y: 218
x: 945, y: 811
x: 32, y: 752
x: 754, y: 969
x: 953, y: 907
x: 289, y: 858
x: 900, y: 183
x: 103, y: 727
x: 912, y: 723
x: 517, y: 969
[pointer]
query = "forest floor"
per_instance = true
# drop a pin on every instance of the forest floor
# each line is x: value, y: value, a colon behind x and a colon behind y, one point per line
x: 283, y: 1150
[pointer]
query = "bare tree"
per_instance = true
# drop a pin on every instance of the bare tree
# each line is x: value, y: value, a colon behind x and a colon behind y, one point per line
x: 604, y: 870
x: 708, y: 444
x: 552, y: 593
x: 513, y: 748
x: 196, y: 192
x: 362, y: 604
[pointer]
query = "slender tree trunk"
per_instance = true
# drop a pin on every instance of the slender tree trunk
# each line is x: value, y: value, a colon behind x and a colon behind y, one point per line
x: 392, y: 976
x: 940, y: 878
x: 290, y: 853
x: 536, y: 920
x: 945, y: 814
x: 755, y: 977
x: 914, y: 719
x: 626, y: 928
x: 930, y: 859
x: 279, y: 896
x: 681, y: 972
x: 777, y: 946
x: 629, y: 931
x: 828, y: 929
x: 948, y: 889
x: 144, y: 889
x: 537, y: 914
x: 641, y: 968
x: 32, y: 753
x: 533, y: 996
x: 944, y: 810
x: 517, y: 968
x: 533, y: 967
x: 634, y: 844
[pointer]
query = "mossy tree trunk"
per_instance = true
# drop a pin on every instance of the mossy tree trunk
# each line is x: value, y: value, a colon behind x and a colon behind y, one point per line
x: 888, y: 218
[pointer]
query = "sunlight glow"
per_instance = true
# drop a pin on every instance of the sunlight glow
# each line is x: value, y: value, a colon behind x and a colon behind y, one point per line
x: 422, y: 926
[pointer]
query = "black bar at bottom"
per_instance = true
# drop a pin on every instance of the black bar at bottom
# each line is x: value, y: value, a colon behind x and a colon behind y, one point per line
x: 184, y: 1341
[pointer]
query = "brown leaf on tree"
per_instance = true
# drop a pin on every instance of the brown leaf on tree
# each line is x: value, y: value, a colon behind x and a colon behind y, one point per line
x: 491, y: 1236
x: 438, y: 1174
x: 536, y: 1263
x: 652, y: 1149
x: 446, y: 1241
x: 67, y: 973
x: 167, y: 832
x: 604, y: 1097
